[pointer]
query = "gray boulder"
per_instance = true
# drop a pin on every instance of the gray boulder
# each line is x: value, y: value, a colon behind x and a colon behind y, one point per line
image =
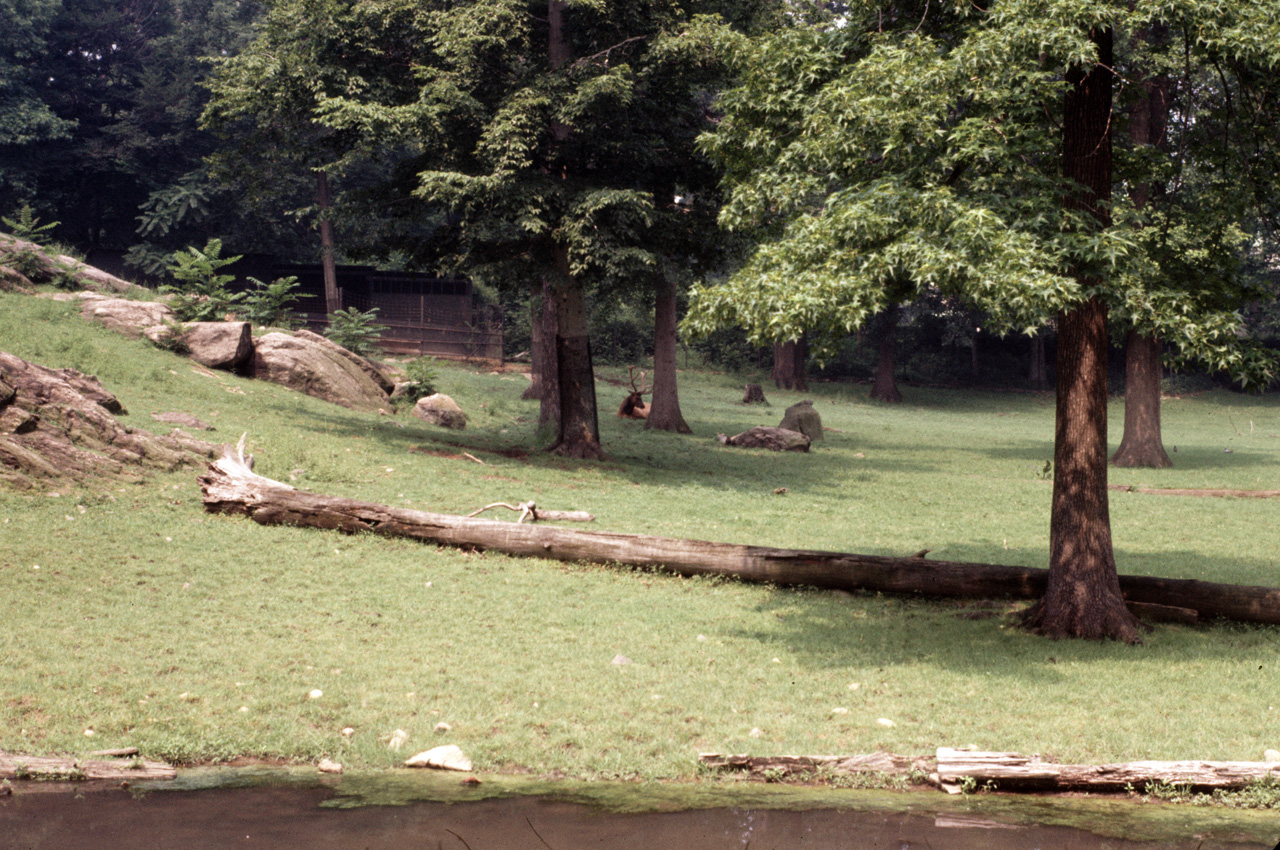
x: 440, y: 410
x: 316, y: 370
x: 130, y: 318
x: 803, y: 418
x: 364, y: 364
x: 219, y: 345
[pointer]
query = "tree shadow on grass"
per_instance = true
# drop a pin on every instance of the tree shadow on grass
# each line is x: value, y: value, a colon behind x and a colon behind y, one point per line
x: 824, y: 629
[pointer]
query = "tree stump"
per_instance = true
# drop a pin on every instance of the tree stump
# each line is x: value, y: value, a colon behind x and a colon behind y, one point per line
x: 754, y: 395
x: 803, y: 418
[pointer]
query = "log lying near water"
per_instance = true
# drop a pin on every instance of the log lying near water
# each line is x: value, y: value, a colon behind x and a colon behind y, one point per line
x: 231, y: 486
x: 954, y: 768
x: 49, y: 768
x: 1011, y: 771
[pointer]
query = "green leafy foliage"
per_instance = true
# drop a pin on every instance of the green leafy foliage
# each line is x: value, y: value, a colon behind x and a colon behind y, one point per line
x: 921, y: 151
x: 272, y: 303
x: 355, y: 330
x: 425, y: 375
x: 201, y: 294
x: 27, y: 261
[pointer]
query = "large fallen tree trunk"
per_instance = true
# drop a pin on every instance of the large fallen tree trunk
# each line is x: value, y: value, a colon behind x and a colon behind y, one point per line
x: 231, y: 486
x: 51, y: 768
x: 1014, y: 771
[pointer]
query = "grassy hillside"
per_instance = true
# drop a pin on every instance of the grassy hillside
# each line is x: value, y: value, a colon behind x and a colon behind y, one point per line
x: 132, y: 614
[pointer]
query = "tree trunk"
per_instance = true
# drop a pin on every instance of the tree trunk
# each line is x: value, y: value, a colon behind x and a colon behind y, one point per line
x: 549, y: 370
x: 885, y: 387
x: 578, y: 434
x: 1141, y: 444
x: 1038, y: 375
x: 788, y: 364
x: 230, y: 486
x: 1083, y: 598
x: 664, y: 411
x: 332, y: 301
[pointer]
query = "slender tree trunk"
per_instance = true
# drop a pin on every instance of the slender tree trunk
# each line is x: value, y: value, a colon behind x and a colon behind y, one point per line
x: 664, y: 413
x: 885, y: 387
x: 788, y: 364
x: 1083, y: 598
x: 1038, y: 375
x: 1142, y: 444
x: 332, y: 301
x: 536, y: 308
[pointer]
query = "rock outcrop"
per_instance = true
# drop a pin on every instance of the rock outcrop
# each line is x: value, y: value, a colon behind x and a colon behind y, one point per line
x: 57, y: 425
x: 316, y: 370
x: 131, y: 318
x: 219, y: 345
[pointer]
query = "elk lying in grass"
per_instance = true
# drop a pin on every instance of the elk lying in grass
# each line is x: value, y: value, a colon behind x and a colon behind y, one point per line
x: 633, y: 406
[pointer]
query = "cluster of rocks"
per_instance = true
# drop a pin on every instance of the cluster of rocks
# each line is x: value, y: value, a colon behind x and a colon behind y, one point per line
x: 303, y: 360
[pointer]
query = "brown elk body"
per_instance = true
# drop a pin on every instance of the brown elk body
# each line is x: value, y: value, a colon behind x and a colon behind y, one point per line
x: 633, y: 406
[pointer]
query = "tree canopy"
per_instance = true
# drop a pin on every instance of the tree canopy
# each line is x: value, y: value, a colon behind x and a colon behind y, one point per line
x: 972, y: 149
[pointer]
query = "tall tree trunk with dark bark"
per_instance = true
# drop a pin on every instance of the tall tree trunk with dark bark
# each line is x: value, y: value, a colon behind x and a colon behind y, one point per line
x: 1038, y: 374
x: 324, y: 200
x: 885, y: 387
x: 1142, y: 444
x: 578, y: 434
x: 1083, y: 598
x: 664, y: 412
x: 578, y: 431
x: 788, y: 364
x: 549, y: 410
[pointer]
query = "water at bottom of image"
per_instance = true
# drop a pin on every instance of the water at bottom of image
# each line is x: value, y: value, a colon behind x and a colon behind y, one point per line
x: 45, y: 816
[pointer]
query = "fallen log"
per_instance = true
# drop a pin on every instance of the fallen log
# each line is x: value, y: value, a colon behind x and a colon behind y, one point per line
x: 1214, y: 493
x: 230, y: 486
x: 1010, y: 771
x: 54, y: 768
x: 770, y: 767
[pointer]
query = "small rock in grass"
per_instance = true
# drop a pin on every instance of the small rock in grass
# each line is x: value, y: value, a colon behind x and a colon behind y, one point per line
x: 620, y: 660
x: 886, y: 722
x: 755, y: 732
x: 443, y: 727
x: 447, y: 757
x: 316, y: 694
x: 347, y: 732
x: 839, y: 711
x: 329, y: 766
x: 1271, y: 755
x: 398, y: 738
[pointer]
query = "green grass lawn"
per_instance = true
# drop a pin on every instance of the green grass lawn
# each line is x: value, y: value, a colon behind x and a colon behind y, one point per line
x: 199, y: 637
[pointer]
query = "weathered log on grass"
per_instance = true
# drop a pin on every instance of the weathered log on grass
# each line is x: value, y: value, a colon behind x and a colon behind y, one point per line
x: 1203, y: 493
x: 770, y: 767
x: 51, y: 768
x: 231, y: 486
x: 1012, y: 771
